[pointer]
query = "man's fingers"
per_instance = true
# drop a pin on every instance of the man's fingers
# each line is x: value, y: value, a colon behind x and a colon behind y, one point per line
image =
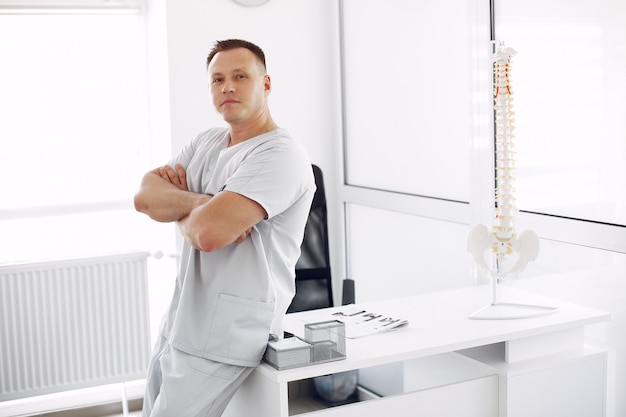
x: 172, y: 175
x: 244, y: 235
x: 177, y: 177
x: 163, y: 173
x: 182, y: 177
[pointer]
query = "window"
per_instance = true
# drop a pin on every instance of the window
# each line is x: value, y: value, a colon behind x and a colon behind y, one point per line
x: 570, y: 101
x: 74, y: 129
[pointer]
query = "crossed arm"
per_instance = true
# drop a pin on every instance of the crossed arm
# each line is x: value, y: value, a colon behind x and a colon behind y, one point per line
x: 207, y: 222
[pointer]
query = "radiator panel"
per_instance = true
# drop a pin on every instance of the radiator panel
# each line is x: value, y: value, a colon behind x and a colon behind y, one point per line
x: 73, y: 324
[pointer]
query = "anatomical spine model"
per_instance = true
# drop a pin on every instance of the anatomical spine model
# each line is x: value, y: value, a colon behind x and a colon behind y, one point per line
x: 502, y: 241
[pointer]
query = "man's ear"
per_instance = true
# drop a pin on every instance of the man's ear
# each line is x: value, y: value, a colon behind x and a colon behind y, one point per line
x: 267, y: 83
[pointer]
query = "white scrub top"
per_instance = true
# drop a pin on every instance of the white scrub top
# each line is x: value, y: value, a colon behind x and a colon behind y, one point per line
x: 227, y: 302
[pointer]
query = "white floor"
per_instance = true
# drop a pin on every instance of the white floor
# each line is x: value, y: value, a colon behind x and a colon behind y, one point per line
x: 101, y: 411
x: 107, y: 400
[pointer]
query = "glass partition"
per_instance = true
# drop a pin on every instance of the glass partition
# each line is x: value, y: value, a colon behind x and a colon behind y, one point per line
x: 406, y: 71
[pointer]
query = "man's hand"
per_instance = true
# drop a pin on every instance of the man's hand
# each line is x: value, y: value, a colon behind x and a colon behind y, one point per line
x: 177, y: 177
x: 243, y: 236
x: 164, y: 195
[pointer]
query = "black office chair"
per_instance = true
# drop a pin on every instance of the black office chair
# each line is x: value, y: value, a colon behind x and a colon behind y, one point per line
x: 313, y: 278
x: 314, y: 289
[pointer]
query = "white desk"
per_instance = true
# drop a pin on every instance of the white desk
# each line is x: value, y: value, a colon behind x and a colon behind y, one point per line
x: 446, y: 364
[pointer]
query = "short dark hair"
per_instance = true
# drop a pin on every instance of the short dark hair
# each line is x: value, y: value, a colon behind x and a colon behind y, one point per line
x: 229, y: 44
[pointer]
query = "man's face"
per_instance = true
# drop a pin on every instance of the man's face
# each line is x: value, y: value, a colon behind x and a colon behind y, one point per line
x: 238, y: 86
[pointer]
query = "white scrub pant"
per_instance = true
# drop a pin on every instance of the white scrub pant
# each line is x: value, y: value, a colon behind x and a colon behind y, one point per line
x: 183, y: 385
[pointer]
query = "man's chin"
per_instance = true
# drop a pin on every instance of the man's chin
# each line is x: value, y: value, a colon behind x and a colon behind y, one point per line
x: 232, y: 118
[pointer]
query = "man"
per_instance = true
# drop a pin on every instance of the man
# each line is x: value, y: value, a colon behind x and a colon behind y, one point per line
x: 241, y: 197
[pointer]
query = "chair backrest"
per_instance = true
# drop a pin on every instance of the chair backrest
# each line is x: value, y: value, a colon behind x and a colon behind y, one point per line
x: 313, y: 277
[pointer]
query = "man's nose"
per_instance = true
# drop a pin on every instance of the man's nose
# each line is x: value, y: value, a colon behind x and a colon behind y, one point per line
x: 228, y: 87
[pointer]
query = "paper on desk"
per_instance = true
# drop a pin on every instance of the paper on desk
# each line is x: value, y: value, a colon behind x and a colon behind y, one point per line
x: 359, y: 322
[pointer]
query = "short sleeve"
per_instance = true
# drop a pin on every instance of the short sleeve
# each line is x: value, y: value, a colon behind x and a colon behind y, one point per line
x: 275, y: 175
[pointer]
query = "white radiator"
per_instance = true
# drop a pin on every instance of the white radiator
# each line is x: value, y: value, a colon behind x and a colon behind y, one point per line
x: 73, y: 324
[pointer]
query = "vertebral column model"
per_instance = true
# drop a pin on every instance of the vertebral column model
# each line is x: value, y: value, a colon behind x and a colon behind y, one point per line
x: 502, y: 240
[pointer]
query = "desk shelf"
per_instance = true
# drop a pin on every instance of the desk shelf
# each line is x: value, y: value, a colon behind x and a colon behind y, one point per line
x: 303, y: 398
x: 420, y: 387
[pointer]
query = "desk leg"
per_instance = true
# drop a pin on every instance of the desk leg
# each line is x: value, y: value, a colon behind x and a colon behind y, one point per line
x: 260, y: 397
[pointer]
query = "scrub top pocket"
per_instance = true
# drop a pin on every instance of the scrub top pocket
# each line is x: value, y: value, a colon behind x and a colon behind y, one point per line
x: 240, y: 330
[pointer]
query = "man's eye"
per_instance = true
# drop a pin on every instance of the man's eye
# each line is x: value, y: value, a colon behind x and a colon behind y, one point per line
x: 217, y: 80
x: 240, y: 76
